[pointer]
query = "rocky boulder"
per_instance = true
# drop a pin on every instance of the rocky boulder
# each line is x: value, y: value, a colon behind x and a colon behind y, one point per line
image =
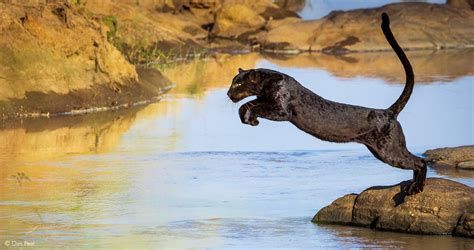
x: 293, y: 5
x: 460, y: 157
x: 467, y: 4
x: 415, y: 25
x: 240, y: 19
x: 233, y: 20
x: 444, y: 207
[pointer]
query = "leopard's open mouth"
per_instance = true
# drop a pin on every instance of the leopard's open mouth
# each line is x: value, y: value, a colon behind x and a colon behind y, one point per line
x: 254, y: 101
x: 235, y: 98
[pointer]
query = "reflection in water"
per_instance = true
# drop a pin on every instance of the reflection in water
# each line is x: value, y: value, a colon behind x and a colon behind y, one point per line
x: 359, y: 237
x: 185, y: 173
x: 33, y: 183
x: 202, y: 75
x: 41, y: 139
x: 428, y: 65
x: 454, y: 172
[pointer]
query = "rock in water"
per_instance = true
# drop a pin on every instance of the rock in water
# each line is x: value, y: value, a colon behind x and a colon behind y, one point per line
x: 460, y: 157
x: 340, y: 211
x: 444, y: 207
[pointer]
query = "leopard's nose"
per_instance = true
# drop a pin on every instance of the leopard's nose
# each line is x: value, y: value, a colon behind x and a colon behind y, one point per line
x: 232, y: 98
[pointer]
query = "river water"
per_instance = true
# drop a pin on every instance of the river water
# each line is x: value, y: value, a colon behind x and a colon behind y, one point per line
x: 184, y: 172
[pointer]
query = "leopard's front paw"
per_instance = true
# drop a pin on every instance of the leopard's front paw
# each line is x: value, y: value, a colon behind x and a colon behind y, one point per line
x: 247, y: 117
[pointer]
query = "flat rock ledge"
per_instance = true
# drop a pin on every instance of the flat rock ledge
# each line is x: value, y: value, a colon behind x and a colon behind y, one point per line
x: 445, y: 207
x: 415, y: 25
x: 457, y: 157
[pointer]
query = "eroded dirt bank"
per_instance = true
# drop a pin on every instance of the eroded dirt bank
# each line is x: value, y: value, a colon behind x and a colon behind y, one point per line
x: 54, y: 59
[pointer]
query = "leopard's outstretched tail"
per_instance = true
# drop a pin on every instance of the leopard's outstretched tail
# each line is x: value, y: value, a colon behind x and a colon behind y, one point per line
x: 410, y: 78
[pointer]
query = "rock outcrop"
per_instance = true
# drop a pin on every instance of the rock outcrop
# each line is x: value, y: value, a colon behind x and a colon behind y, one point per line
x: 151, y: 27
x: 55, y: 59
x: 458, y: 157
x: 241, y: 19
x: 233, y: 20
x: 444, y: 207
x: 183, y: 26
x: 466, y: 4
x: 415, y: 25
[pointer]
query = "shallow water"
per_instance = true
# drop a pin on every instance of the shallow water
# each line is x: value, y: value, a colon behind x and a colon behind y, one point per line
x: 185, y: 172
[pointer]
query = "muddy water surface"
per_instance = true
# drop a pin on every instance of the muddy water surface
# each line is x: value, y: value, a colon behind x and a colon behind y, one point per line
x: 185, y: 172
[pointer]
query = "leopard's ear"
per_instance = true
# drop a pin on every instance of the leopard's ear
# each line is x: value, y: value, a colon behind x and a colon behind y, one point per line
x: 254, y: 75
x: 241, y: 70
x: 273, y: 78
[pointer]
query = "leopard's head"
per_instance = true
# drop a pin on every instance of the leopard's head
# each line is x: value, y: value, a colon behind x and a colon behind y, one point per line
x: 251, y: 83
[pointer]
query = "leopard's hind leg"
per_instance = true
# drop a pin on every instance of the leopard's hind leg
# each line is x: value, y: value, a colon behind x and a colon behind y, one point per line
x: 388, y: 145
